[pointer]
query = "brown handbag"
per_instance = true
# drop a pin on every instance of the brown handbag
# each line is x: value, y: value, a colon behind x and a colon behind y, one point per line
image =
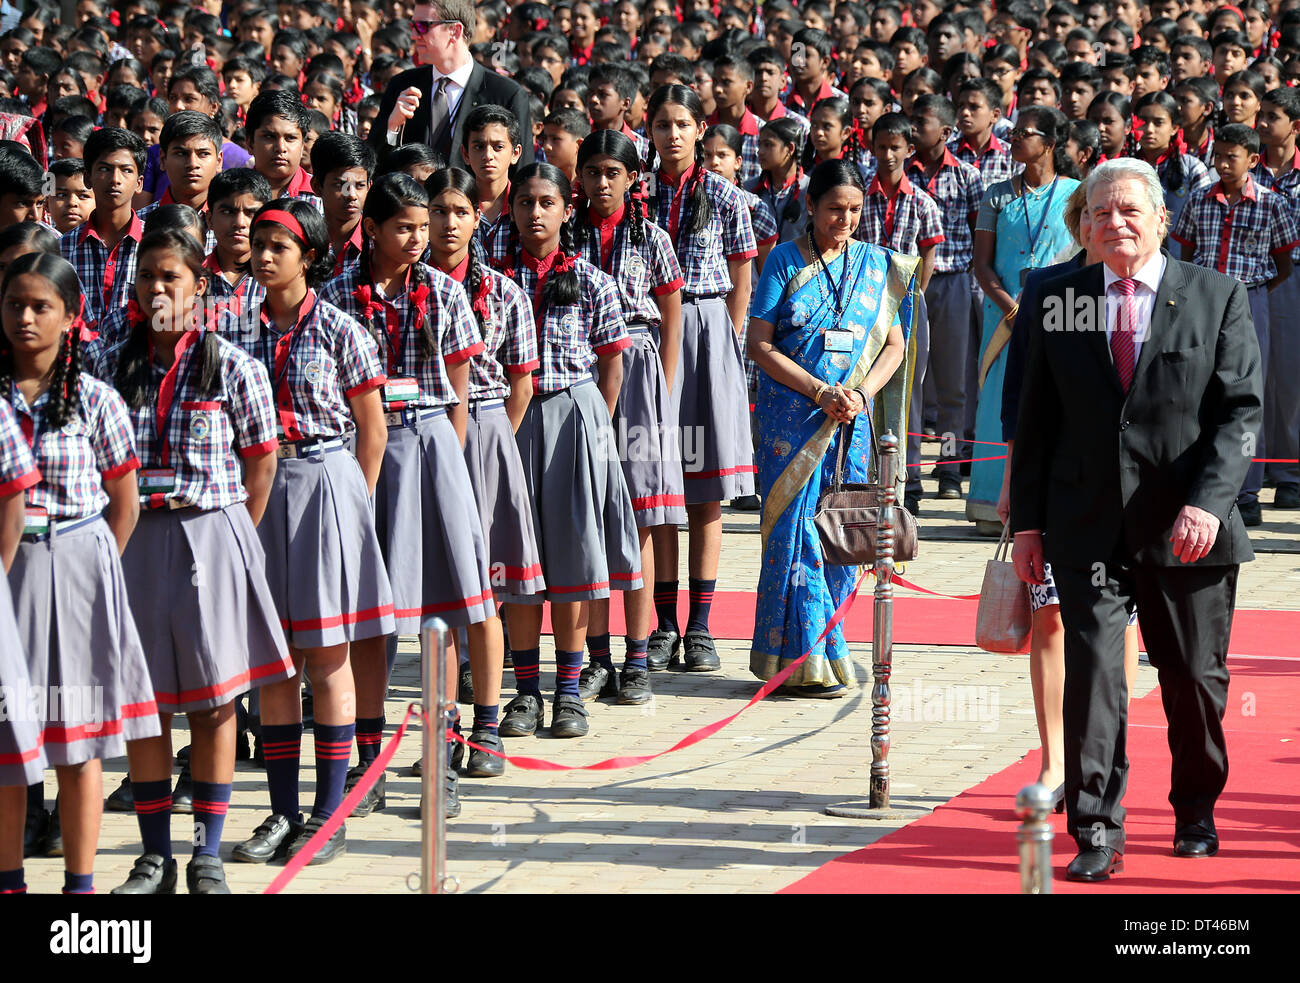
x: 1004, y: 620
x: 848, y: 515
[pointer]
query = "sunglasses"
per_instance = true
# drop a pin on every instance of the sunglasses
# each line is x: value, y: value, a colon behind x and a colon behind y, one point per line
x: 1020, y: 132
x: 422, y: 27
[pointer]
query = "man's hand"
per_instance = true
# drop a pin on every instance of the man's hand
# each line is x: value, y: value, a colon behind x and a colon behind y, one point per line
x: 1027, y: 555
x: 407, y: 103
x: 1195, y: 531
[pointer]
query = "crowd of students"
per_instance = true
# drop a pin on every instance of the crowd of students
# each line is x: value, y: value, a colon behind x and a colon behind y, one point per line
x: 271, y: 399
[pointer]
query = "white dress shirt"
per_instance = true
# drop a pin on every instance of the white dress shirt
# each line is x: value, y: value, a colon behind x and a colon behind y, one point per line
x: 456, y: 83
x: 1144, y: 299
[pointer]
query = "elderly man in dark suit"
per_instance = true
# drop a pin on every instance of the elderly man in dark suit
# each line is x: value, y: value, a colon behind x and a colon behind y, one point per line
x: 1142, y: 398
x: 429, y: 104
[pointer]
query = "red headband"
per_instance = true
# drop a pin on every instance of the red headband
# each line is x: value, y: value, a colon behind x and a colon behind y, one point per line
x: 284, y: 218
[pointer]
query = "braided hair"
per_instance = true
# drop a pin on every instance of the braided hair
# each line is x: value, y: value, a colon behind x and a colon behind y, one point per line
x: 134, y: 376
x: 618, y: 147
x: 688, y: 99
x: 462, y: 183
x: 65, y: 382
x: 388, y: 195
x: 789, y: 133
x: 562, y: 289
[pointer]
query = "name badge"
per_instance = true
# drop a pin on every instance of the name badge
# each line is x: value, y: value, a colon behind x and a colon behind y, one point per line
x: 36, y: 521
x: 399, y: 393
x: 157, y: 481
x: 839, y: 340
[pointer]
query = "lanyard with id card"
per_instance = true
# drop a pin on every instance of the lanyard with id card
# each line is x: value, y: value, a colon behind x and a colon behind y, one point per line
x: 1042, y: 220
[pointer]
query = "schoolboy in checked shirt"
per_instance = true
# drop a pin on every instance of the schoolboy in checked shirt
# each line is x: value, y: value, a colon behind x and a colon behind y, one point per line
x: 899, y: 215
x: 733, y: 81
x: 1246, y: 231
x: 957, y: 189
x: 979, y: 106
x: 103, y: 248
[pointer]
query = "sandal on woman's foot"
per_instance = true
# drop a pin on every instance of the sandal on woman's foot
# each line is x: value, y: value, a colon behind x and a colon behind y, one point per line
x: 700, y: 654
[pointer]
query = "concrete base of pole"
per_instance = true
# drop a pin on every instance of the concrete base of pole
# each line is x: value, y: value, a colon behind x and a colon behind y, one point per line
x: 898, y: 812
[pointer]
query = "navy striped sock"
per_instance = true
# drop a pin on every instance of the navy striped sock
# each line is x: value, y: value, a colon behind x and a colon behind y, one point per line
x: 666, y: 604
x: 78, y: 883
x: 701, y: 601
x: 211, y: 803
x: 636, y: 649
x: 567, y: 667
x: 12, y: 882
x: 282, y: 749
x: 333, y: 750
x: 153, y: 811
x: 528, y: 671
x: 486, y: 717
x: 370, y: 734
x: 598, y: 646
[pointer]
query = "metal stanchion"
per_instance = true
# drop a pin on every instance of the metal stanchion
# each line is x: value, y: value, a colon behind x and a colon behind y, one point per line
x: 878, y: 805
x: 433, y: 785
x: 1034, y: 804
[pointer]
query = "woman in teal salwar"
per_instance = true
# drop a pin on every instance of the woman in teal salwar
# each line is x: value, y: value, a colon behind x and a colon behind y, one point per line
x: 1021, y: 226
x: 829, y: 329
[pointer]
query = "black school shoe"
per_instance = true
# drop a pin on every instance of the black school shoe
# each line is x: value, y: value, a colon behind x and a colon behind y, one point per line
x: 53, y: 846
x: 1251, y: 513
x: 38, y: 821
x: 151, y: 875
x: 451, y: 796
x: 700, y: 654
x: 374, y: 800
x: 596, y: 681
x: 270, y: 841
x: 183, y: 793
x: 634, y: 686
x: 465, y: 685
x: 481, y: 764
x: 206, y: 875
x: 122, y: 799
x: 335, y: 847
x: 569, y: 717
x: 662, y: 649
x: 523, y: 716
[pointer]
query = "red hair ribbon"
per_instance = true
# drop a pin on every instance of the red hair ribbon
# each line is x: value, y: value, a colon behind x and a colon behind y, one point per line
x: 479, y: 303
x: 115, y: 18
x: 281, y: 217
x: 364, y: 296
x: 420, y: 298
x: 134, y: 313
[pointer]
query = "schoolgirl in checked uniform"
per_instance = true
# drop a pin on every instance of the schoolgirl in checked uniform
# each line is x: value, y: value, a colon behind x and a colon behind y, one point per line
x: 69, y: 594
x: 323, y: 559
x: 205, y: 431
x: 426, y: 516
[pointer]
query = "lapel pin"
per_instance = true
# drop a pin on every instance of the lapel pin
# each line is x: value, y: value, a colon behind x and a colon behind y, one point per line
x: 1170, y: 303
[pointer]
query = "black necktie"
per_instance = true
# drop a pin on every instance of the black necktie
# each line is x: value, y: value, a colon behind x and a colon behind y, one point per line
x: 439, y: 130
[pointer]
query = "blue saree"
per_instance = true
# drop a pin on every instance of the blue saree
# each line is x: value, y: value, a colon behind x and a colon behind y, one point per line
x: 798, y: 443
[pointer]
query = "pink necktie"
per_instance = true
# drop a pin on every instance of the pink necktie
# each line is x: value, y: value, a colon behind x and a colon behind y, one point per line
x: 1121, y: 339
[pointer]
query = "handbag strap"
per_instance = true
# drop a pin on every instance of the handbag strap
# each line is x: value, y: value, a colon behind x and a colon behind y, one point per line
x: 1004, y: 543
x: 846, y: 438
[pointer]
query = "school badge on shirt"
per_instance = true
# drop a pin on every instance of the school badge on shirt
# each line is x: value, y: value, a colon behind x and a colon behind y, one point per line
x: 635, y: 266
x: 570, y: 325
x: 200, y: 426
x: 312, y: 370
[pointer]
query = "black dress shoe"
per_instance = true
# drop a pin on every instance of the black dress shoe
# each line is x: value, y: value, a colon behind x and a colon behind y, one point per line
x: 481, y: 764
x: 38, y: 821
x: 949, y: 486
x: 465, y: 686
x: 747, y: 503
x: 54, y: 834
x: 269, y: 841
x: 701, y: 655
x: 1095, y: 864
x: 634, y: 686
x: 569, y: 717
x: 151, y: 875
x: 596, y: 681
x: 1287, y: 496
x: 1250, y: 513
x: 912, y: 502
x: 1196, y: 840
x: 183, y: 793
x: 374, y: 800
x: 523, y: 716
x: 206, y: 875
x: 662, y: 649
x: 335, y: 847
x: 122, y: 799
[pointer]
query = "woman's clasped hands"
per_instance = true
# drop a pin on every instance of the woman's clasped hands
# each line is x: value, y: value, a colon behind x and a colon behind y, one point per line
x: 840, y: 404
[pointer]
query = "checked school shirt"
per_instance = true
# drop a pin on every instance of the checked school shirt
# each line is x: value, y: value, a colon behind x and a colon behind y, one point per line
x: 776, y: 200
x: 957, y: 188
x: 95, y: 445
x: 1239, y: 240
x: 1288, y: 185
x: 326, y: 359
x: 18, y: 470
x: 107, y: 276
x: 571, y: 337
x: 749, y: 126
x: 206, y: 434
x: 399, y: 328
x: 906, y: 223
x: 509, y: 334
x: 994, y: 164
x: 728, y: 235
x: 642, y: 272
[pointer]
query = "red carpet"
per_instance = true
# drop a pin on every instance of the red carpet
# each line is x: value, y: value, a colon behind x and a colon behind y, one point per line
x: 969, y: 846
x: 943, y: 621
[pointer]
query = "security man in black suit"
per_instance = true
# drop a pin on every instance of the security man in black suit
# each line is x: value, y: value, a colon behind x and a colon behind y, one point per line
x: 1141, y: 403
x: 429, y: 104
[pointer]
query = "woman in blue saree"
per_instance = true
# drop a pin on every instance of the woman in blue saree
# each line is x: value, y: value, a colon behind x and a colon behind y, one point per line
x: 830, y: 330
x: 1020, y: 228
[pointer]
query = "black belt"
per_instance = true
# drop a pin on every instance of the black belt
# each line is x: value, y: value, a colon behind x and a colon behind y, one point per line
x: 688, y: 298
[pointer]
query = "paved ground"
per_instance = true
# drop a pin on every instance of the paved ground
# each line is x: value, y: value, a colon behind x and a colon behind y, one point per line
x: 741, y: 811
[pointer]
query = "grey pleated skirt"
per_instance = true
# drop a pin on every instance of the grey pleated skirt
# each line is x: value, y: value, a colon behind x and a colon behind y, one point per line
x: 323, y: 562
x: 22, y: 758
x: 713, y: 406
x: 205, y: 614
x: 581, y: 508
x: 83, y: 653
x: 430, y: 529
x: 648, y: 441
x: 496, y: 475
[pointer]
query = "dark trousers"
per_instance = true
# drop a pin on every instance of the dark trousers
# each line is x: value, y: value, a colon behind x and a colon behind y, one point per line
x: 948, y: 307
x: 912, y: 439
x: 1186, y: 617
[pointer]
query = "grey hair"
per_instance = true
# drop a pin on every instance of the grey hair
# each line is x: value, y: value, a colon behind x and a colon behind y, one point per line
x: 1130, y: 169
